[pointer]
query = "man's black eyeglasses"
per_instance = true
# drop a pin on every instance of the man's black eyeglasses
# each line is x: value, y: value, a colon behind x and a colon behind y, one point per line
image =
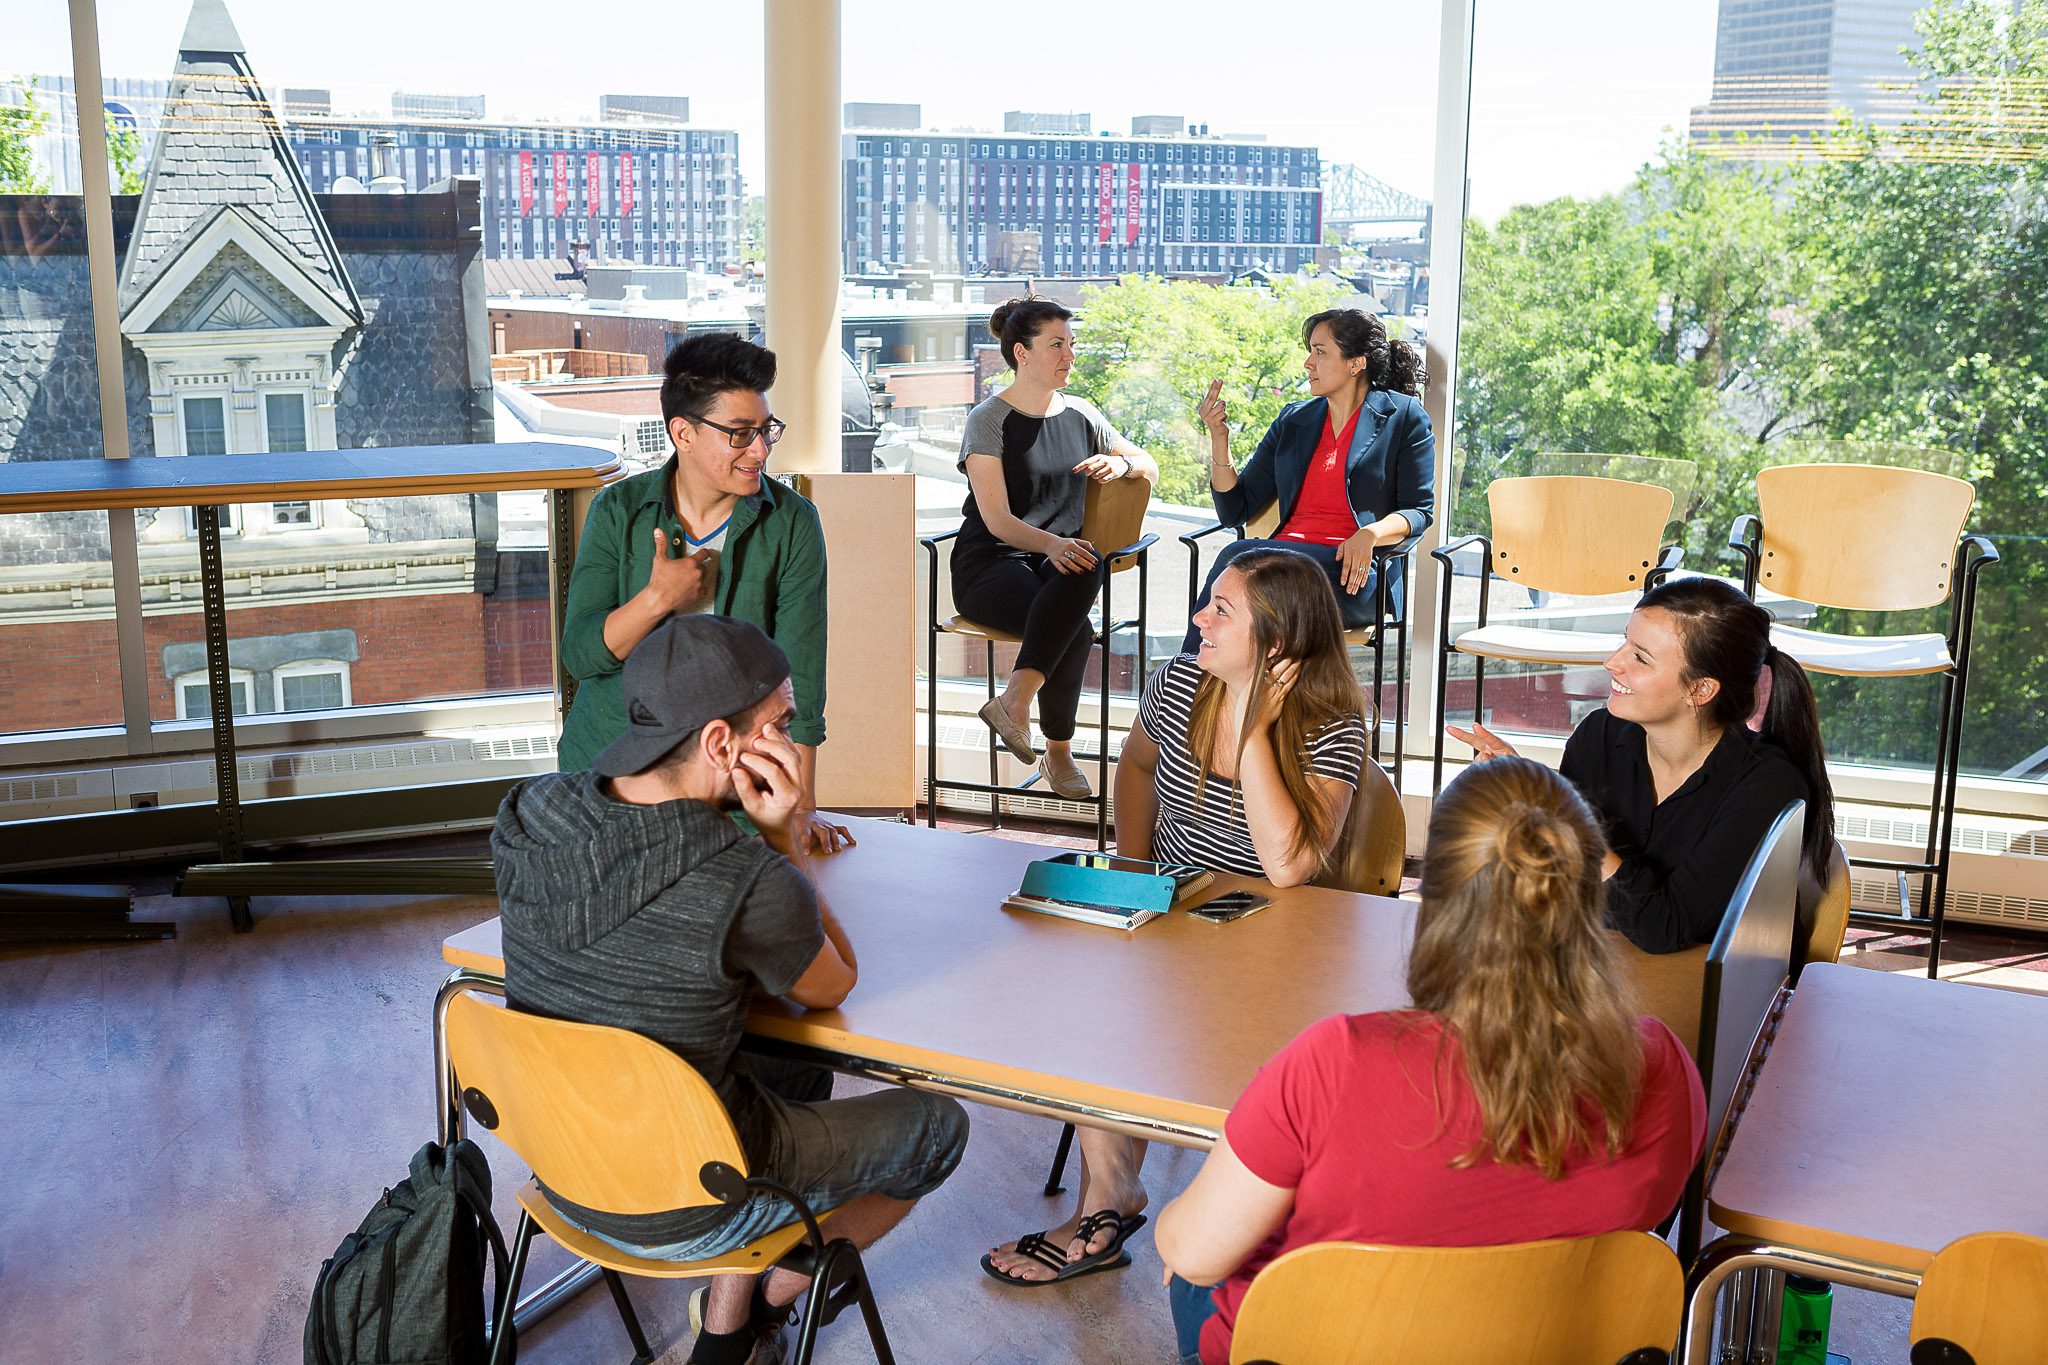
x: 742, y: 437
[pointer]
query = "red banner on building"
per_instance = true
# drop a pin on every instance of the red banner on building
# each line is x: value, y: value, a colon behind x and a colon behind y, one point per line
x: 1132, y: 197
x: 561, y: 183
x: 1105, y: 203
x: 525, y: 184
x: 593, y: 179
x: 626, y: 183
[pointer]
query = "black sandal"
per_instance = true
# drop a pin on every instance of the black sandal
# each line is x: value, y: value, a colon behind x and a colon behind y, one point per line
x: 1038, y: 1247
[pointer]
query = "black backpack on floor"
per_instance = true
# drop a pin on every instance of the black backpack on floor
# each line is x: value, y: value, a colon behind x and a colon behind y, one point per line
x: 407, y: 1287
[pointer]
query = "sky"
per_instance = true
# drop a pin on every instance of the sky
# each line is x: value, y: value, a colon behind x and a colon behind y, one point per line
x: 1570, y: 96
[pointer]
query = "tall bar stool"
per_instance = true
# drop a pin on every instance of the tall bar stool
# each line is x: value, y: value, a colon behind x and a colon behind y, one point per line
x: 1114, y: 515
x: 1867, y: 537
x: 1389, y: 614
x: 1557, y: 533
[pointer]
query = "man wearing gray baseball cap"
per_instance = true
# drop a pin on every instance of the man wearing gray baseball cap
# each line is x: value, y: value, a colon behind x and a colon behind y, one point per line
x: 629, y: 898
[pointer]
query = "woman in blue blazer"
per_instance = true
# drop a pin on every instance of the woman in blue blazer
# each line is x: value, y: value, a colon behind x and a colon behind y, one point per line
x: 1353, y: 467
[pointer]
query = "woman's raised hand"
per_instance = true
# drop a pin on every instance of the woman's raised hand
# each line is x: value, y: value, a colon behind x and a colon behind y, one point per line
x: 1213, y: 411
x: 1484, y: 743
x: 1280, y: 678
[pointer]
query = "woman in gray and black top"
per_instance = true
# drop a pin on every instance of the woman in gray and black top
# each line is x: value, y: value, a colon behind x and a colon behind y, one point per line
x: 1020, y: 564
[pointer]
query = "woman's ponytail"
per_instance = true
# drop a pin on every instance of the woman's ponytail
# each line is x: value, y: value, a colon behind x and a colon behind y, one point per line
x: 1792, y: 722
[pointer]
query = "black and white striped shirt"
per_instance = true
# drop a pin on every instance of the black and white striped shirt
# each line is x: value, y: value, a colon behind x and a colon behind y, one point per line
x: 1215, y: 833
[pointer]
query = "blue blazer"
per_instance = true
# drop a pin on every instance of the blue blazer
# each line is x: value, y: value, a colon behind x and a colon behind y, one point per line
x: 1391, y: 466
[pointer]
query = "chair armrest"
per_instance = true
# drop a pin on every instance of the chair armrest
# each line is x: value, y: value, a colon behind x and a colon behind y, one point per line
x: 931, y: 547
x: 1987, y: 553
x: 1442, y: 555
x: 1136, y: 547
x: 1668, y: 560
x: 1744, y: 536
x: 1397, y: 549
x: 1195, y: 557
x: 1211, y: 529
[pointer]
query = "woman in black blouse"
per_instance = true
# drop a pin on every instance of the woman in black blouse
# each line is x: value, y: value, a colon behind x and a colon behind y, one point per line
x: 1709, y: 732
x: 1020, y: 564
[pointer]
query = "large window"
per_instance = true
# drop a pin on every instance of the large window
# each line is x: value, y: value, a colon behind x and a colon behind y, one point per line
x: 1680, y: 256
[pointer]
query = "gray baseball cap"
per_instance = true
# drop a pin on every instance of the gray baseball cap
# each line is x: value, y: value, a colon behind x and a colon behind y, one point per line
x: 688, y: 672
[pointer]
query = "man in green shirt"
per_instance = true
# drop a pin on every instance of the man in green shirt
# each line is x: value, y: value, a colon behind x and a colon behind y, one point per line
x: 708, y: 531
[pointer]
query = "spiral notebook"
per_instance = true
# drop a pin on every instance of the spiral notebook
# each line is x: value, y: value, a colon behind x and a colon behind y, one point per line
x: 1098, y: 888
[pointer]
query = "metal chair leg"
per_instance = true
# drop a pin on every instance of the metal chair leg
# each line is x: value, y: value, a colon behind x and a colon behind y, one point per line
x: 612, y: 1281
x: 995, y: 803
x: 1059, y: 1161
x: 503, y: 1334
x: 931, y: 731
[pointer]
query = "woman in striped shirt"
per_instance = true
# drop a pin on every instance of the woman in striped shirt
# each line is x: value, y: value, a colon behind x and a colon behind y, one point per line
x: 1244, y: 758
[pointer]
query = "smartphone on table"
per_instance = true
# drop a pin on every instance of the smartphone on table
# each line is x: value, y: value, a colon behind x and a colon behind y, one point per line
x: 1229, y: 906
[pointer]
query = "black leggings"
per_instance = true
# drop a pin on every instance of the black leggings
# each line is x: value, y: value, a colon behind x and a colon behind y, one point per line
x: 1028, y: 597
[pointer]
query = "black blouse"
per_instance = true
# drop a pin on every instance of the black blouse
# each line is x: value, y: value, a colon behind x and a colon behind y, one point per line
x: 1681, y: 859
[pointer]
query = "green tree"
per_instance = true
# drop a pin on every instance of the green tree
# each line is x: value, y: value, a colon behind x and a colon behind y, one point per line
x: 1148, y: 349
x: 19, y: 124
x: 124, y: 157
x: 1929, y: 247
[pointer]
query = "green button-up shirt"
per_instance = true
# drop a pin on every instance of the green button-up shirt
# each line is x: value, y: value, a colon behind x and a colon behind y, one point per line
x: 771, y: 572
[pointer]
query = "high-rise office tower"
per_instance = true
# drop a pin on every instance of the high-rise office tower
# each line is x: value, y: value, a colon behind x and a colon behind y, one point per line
x: 1783, y: 69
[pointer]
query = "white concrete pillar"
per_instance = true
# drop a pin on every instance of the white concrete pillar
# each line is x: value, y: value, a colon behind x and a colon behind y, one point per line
x: 804, y: 228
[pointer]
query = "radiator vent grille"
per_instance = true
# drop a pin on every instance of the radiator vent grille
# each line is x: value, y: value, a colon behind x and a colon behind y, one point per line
x: 1970, y: 836
x: 38, y: 789
x: 1882, y: 894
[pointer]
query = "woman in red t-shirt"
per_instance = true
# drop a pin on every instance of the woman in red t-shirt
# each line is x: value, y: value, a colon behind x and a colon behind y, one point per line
x: 1520, y: 1099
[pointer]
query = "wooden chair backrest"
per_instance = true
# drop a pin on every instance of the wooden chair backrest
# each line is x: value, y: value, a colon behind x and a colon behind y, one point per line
x: 1861, y: 536
x: 1987, y: 1293
x: 1828, y: 922
x: 1586, y: 537
x: 1375, y: 838
x: 603, y: 1117
x: 1592, y: 1299
x: 1115, y: 516
x: 1262, y: 524
x: 1668, y: 985
x: 1680, y: 476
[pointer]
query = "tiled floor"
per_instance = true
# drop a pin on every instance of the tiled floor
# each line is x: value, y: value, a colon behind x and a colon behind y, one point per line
x: 191, y: 1126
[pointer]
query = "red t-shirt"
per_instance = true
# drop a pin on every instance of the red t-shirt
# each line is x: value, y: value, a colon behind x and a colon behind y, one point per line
x: 1346, y: 1117
x: 1322, y: 514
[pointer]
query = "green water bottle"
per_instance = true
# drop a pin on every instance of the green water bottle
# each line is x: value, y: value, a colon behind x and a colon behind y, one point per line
x: 1803, y: 1324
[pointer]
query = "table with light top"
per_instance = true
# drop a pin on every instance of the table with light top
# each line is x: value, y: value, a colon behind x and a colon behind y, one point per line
x: 1827, y: 1173
x: 207, y: 483
x: 1159, y: 1027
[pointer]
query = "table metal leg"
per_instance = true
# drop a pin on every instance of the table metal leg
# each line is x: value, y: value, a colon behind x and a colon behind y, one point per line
x: 1729, y: 1254
x: 221, y: 704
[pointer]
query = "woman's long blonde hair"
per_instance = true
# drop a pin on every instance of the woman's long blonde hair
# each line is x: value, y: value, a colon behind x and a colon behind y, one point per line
x: 1512, y: 957
x: 1293, y: 608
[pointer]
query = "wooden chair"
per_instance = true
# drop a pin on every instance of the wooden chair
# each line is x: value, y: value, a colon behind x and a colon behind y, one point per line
x: 1114, y: 516
x: 1375, y: 840
x: 1573, y: 1302
x: 1389, y: 613
x: 610, y: 1120
x: 1823, y: 915
x: 1836, y: 535
x: 1748, y: 966
x: 1553, y: 533
x: 1983, y: 1301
